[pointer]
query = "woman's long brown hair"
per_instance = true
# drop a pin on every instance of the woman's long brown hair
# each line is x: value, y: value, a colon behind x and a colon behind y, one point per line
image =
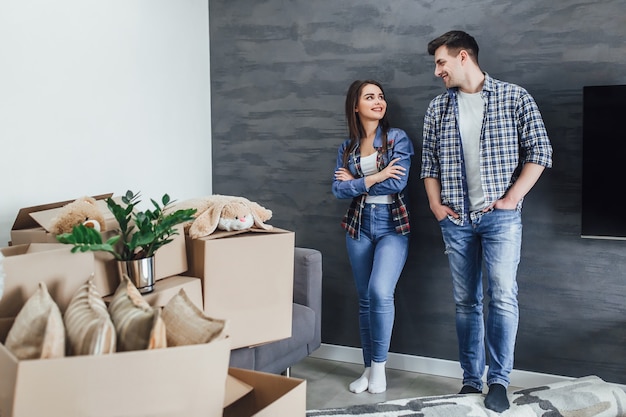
x: 355, y: 127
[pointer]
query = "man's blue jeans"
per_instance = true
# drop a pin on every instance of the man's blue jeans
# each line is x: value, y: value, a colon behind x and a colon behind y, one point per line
x: 495, y: 239
x: 377, y: 259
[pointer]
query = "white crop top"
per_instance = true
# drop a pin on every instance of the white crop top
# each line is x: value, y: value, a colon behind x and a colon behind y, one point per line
x: 368, y: 166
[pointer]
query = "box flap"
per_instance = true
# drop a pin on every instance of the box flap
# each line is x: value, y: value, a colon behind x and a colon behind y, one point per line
x: 24, y: 220
x: 14, y: 250
x: 45, y: 218
x: 222, y: 233
x: 272, y: 395
x: 30, y: 248
x: 235, y: 389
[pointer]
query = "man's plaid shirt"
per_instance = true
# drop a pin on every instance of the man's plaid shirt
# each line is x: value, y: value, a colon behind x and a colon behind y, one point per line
x: 398, y: 146
x: 513, y: 134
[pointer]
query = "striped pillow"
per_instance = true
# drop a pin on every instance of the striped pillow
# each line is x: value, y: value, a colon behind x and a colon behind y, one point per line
x: 137, y: 324
x: 88, y: 325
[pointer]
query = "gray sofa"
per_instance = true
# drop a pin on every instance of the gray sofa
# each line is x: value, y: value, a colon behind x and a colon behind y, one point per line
x: 306, y: 331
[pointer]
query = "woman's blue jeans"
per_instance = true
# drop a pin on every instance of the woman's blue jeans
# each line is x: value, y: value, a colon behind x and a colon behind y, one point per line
x: 377, y: 259
x: 495, y: 239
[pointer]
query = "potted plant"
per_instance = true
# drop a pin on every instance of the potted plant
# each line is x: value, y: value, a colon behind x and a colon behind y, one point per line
x: 140, y: 235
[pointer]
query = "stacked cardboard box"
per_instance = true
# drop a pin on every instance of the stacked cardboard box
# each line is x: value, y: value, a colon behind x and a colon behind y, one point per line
x: 248, y: 277
x: 162, y: 382
x: 32, y: 225
x: 244, y: 277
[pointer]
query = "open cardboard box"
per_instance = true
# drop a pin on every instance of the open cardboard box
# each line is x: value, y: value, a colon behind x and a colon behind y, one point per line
x: 260, y: 394
x: 178, y: 381
x: 32, y: 225
x: 247, y: 277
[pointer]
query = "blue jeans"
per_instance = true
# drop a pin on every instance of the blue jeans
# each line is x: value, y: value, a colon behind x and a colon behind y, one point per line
x: 494, y: 238
x: 377, y: 259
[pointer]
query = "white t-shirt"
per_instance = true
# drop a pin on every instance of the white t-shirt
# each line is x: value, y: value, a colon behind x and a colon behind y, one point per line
x: 368, y: 166
x: 471, y: 111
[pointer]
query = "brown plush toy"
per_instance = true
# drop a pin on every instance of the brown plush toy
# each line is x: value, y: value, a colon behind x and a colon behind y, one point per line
x: 224, y: 212
x: 83, y: 210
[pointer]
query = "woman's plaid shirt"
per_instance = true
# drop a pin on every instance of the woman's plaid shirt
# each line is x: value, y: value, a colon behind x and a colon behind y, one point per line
x: 398, y: 146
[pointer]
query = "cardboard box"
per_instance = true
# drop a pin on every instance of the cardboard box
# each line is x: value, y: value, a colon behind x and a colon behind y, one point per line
x: 32, y: 225
x: 235, y: 389
x: 165, y: 289
x: 148, y: 383
x: 171, y: 259
x: 247, y: 278
x: 179, y: 381
x: 26, y: 265
x: 270, y: 395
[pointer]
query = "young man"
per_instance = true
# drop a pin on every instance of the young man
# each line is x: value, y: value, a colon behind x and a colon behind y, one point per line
x: 485, y: 146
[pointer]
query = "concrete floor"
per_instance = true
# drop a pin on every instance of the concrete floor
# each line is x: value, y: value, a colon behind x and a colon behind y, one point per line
x: 327, y: 384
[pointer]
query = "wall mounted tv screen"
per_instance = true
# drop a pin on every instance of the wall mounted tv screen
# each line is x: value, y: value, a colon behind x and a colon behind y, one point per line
x: 604, y: 162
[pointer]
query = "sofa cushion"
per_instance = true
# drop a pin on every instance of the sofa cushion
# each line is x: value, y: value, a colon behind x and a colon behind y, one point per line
x: 242, y: 358
x: 302, y: 332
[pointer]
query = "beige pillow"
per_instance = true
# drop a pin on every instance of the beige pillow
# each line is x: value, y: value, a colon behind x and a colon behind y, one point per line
x: 137, y: 324
x: 38, y: 331
x: 88, y: 325
x: 186, y: 324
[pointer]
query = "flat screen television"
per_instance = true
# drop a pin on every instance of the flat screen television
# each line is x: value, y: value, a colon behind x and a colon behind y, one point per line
x: 604, y: 162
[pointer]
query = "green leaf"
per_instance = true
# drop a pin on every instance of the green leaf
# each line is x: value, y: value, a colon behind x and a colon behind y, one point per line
x: 87, y: 239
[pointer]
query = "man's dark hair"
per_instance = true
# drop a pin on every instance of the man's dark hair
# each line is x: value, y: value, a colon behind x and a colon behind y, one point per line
x: 455, y: 41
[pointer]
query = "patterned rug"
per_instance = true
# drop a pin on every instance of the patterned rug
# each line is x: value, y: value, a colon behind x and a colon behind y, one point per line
x: 582, y: 397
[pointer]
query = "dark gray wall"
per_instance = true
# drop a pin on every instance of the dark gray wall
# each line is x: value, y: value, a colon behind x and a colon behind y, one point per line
x: 279, y: 72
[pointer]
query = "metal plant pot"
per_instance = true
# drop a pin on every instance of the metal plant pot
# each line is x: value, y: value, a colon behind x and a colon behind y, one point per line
x: 140, y: 272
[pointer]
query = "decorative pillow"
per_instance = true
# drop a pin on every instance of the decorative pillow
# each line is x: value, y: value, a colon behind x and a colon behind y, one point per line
x: 137, y: 324
x: 88, y: 325
x: 38, y: 331
x: 186, y: 324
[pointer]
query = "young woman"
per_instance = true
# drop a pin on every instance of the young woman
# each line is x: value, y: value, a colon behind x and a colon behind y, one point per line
x: 372, y: 170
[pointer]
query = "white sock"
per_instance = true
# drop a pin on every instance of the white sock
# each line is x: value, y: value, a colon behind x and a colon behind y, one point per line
x: 378, y: 379
x: 360, y: 385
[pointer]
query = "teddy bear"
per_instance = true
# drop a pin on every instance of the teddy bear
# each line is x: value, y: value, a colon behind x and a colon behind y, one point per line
x: 224, y: 212
x: 83, y: 210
